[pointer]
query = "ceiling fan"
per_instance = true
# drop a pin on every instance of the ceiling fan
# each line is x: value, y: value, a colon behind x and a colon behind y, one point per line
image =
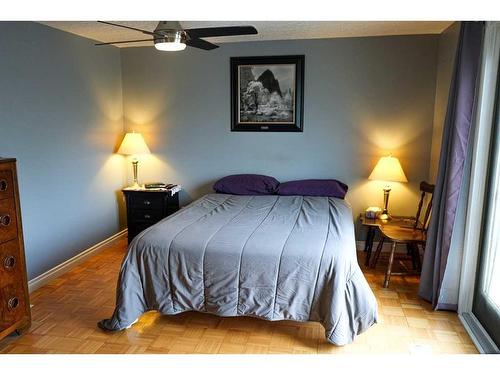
x: 170, y: 36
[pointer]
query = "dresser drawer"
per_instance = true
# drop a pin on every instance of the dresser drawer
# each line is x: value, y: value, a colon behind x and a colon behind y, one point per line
x: 146, y: 201
x: 15, y: 312
x: 12, y: 304
x: 6, y: 184
x: 10, y: 263
x: 8, y: 221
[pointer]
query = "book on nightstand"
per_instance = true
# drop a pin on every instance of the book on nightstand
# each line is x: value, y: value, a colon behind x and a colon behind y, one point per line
x: 173, y: 188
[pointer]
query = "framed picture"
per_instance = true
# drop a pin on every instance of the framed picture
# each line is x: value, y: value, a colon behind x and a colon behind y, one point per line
x: 267, y: 93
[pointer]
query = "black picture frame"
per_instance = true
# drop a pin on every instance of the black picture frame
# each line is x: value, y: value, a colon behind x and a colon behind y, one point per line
x: 295, y: 107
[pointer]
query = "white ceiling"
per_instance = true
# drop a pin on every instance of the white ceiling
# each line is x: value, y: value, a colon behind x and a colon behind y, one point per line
x: 268, y: 30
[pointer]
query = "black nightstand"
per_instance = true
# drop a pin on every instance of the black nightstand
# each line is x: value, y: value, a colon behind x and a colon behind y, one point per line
x: 147, y: 207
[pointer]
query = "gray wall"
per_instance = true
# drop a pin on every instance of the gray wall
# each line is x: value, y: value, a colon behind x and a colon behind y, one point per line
x: 61, y: 117
x: 364, y: 97
x: 447, y: 48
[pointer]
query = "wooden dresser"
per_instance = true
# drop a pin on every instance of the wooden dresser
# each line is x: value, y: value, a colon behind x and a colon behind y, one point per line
x: 14, y: 297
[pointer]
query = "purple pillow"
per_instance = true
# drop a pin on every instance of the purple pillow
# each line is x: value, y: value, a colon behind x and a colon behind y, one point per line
x: 247, y: 184
x: 314, y: 188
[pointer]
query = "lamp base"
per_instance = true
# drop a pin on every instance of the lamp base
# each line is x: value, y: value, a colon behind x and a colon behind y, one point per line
x: 385, y: 213
x: 385, y: 216
x: 135, y: 165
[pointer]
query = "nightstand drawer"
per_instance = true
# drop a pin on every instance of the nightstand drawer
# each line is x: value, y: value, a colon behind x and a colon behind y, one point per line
x: 10, y: 263
x: 146, y: 201
x: 6, y: 184
x: 8, y: 221
x: 149, y: 216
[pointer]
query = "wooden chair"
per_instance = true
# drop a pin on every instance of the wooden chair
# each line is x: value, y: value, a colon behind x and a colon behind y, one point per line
x: 412, y: 235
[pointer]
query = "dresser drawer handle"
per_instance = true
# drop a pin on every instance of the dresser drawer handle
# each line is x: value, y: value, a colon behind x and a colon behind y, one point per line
x: 147, y: 203
x: 9, y: 262
x: 5, y: 220
x: 3, y: 185
x: 13, y: 303
x: 147, y: 216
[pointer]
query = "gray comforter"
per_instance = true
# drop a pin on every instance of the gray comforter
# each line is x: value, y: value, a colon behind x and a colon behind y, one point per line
x: 271, y: 257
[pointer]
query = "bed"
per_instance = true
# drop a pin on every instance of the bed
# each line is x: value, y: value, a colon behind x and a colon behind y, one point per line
x: 271, y: 257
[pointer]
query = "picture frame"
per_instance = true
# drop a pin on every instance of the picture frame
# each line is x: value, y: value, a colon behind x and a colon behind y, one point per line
x: 267, y: 93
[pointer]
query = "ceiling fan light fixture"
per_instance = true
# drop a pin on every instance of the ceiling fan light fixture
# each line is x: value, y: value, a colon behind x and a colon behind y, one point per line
x: 171, y: 41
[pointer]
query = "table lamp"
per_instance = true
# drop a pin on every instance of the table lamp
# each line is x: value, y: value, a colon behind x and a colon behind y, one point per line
x: 388, y: 168
x: 134, y: 144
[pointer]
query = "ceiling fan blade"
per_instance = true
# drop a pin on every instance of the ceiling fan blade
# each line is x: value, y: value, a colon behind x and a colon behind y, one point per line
x: 220, y: 31
x: 130, y: 28
x: 124, y: 41
x: 201, y: 44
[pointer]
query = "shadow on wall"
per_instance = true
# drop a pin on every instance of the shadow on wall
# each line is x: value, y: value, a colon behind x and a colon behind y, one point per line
x: 122, y: 209
x: 112, y: 169
x: 200, y: 190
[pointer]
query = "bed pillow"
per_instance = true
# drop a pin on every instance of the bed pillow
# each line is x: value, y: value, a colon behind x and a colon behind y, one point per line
x: 247, y: 184
x: 314, y: 188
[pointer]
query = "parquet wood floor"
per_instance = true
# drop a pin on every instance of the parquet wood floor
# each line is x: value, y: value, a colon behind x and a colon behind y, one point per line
x: 65, y: 313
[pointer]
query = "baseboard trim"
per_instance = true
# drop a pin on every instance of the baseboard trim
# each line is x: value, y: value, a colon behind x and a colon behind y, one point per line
x: 64, y: 267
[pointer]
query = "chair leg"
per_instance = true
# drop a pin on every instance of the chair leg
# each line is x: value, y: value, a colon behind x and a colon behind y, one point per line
x: 411, y: 253
x: 367, y: 239
x: 389, y: 266
x: 377, y: 252
x: 369, y: 244
x: 417, y: 256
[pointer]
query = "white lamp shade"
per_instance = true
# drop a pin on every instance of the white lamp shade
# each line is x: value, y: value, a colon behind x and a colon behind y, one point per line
x: 133, y: 144
x: 388, y: 168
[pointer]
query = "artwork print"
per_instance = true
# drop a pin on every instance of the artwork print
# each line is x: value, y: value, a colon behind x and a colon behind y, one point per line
x: 267, y: 93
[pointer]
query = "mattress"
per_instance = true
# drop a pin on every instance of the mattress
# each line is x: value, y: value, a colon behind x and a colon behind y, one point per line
x: 271, y: 257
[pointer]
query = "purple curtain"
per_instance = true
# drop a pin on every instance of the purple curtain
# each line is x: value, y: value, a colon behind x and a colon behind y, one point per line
x: 454, y: 146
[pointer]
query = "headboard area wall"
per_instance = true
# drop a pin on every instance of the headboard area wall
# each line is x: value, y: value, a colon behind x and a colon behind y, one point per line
x: 363, y: 97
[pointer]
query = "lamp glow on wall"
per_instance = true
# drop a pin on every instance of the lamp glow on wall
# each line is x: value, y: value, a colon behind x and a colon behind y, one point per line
x: 388, y: 169
x: 133, y: 144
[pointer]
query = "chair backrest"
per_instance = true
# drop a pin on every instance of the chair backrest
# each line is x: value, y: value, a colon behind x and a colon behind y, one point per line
x: 425, y: 188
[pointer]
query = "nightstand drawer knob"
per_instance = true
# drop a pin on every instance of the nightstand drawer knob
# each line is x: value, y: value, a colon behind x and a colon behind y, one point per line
x: 5, y: 220
x: 13, y: 303
x: 9, y: 262
x: 147, y: 216
x: 3, y: 185
x: 147, y: 203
